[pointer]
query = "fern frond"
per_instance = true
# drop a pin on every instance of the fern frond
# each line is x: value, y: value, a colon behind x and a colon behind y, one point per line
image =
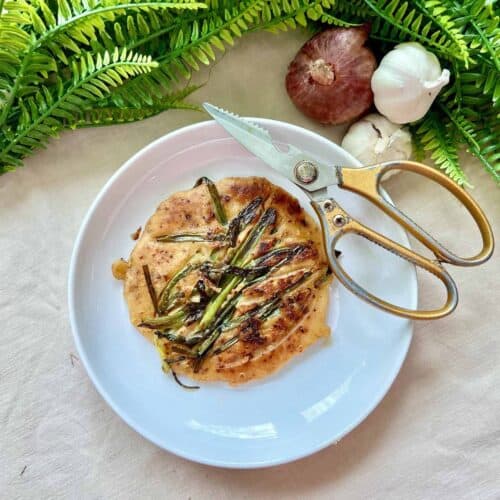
x: 14, y: 41
x: 43, y: 115
x: 482, y: 29
x: 193, y: 41
x: 190, y: 44
x: 83, y: 24
x: 480, y: 85
x: 102, y: 116
x: 440, y: 15
x: 434, y: 137
x: 397, y: 21
x: 483, y: 144
x: 63, y: 27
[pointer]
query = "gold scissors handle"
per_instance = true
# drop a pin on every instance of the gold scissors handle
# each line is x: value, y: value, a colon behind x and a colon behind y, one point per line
x: 366, y: 182
x: 336, y: 223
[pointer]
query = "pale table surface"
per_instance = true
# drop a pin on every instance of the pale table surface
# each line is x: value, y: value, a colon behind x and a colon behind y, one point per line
x: 435, y: 435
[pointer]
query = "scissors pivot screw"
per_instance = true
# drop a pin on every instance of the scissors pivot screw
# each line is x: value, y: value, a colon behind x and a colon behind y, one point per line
x: 328, y: 205
x: 306, y: 172
x: 339, y: 221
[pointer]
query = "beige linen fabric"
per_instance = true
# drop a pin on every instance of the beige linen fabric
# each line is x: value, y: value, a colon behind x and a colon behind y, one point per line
x: 435, y: 435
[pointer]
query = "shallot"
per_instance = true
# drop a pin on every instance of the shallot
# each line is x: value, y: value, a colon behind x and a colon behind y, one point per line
x: 329, y: 79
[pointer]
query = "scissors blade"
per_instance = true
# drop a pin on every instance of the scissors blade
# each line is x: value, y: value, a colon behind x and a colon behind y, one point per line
x: 259, y: 142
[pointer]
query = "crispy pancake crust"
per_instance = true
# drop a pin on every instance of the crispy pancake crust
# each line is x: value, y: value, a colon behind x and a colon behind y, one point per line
x: 264, y: 345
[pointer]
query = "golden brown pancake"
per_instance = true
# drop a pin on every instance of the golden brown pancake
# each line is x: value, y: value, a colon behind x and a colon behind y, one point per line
x: 276, y: 294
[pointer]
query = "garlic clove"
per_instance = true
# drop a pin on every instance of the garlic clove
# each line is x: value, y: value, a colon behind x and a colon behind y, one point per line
x: 436, y: 85
x: 380, y: 145
x: 374, y: 139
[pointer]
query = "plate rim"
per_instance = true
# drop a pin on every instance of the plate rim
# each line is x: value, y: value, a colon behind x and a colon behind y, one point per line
x: 130, y: 421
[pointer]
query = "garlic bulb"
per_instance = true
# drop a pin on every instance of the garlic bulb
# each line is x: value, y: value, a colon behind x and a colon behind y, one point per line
x: 406, y: 82
x: 374, y: 139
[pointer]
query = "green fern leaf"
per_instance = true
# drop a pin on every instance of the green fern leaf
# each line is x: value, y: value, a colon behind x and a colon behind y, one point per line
x: 397, y: 22
x: 186, y: 51
x: 481, y: 142
x: 112, y: 115
x: 77, y: 23
x: 435, y: 10
x: 479, y: 82
x: 434, y: 137
x: 482, y: 29
x: 40, y: 117
x: 14, y: 41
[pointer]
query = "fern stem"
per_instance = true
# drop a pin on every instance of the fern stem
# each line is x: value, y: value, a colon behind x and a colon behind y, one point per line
x: 121, y: 116
x: 100, y: 116
x: 393, y: 41
x: 336, y: 21
x: 151, y: 37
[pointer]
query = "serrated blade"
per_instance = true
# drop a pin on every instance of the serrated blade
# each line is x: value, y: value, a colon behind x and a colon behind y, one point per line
x: 259, y: 142
x: 221, y: 114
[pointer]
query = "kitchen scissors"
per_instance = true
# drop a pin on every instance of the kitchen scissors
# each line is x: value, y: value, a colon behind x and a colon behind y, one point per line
x: 314, y: 178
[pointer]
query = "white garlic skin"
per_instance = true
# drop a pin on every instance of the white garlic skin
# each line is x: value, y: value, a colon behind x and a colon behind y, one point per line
x: 406, y: 82
x: 374, y: 139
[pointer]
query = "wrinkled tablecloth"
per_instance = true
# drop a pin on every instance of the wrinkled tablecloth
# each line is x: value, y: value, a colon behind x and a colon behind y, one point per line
x: 435, y: 435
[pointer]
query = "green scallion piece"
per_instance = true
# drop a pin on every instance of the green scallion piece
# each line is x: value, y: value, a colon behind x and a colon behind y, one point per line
x: 219, y: 211
x: 172, y: 320
x: 165, y: 295
x: 190, y: 238
x: 268, y: 219
x: 168, y: 364
x: 227, y: 345
x: 215, y: 304
x: 151, y: 288
x: 279, y: 254
x: 242, y: 220
x: 265, y: 310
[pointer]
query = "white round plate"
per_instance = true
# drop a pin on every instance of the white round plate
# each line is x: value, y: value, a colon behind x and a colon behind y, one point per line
x: 314, y: 400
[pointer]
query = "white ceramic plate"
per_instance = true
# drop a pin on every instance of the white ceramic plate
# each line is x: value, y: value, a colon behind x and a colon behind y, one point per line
x: 311, y: 403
